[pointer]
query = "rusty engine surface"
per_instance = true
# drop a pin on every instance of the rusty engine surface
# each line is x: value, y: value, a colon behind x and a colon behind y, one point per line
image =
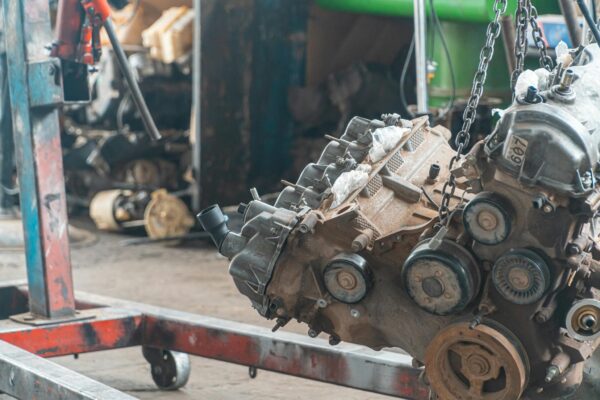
x: 497, y: 301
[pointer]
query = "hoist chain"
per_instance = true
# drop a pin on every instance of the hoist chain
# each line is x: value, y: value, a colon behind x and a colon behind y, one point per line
x: 527, y: 15
x: 463, y: 137
x: 538, y: 38
x: 521, y: 43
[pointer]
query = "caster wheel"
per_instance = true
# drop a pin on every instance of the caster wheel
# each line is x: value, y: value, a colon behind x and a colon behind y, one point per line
x: 170, y: 370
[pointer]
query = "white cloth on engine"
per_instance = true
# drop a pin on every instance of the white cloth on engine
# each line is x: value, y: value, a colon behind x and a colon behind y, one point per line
x: 563, y: 55
x: 526, y: 79
x: 384, y: 140
x: 348, y: 182
x: 543, y: 78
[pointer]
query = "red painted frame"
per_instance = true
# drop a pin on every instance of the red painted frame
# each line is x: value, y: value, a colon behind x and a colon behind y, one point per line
x: 114, y: 324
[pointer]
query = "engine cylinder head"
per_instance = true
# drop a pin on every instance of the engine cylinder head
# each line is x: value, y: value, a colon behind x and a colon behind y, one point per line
x: 442, y: 281
x: 348, y: 278
x: 583, y: 320
x: 487, y: 218
x: 521, y: 276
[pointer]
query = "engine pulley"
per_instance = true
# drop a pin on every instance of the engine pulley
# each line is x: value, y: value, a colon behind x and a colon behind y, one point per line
x: 485, y: 362
x: 442, y: 281
x: 348, y: 278
x: 583, y: 320
x: 487, y: 218
x: 521, y: 276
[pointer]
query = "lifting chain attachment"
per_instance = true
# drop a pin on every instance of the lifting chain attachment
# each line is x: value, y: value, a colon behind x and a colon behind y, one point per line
x: 462, y: 138
x: 527, y: 15
x: 538, y: 38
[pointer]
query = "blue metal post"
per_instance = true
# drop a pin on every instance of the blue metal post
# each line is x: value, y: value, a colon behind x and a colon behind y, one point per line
x: 34, y: 86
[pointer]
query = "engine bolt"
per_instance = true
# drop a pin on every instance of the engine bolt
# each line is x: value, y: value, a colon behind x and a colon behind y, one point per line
x: 567, y: 80
x: 573, y: 249
x: 313, y: 333
x: 487, y: 221
x: 434, y: 172
x: 355, y: 313
x: 547, y: 208
x: 551, y: 373
x: 532, y: 96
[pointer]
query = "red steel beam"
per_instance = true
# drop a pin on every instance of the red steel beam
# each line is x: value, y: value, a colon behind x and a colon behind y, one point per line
x: 292, y: 354
x: 124, y: 324
x: 109, y: 329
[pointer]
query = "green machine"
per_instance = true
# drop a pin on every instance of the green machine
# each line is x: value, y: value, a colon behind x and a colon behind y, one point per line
x: 464, y: 25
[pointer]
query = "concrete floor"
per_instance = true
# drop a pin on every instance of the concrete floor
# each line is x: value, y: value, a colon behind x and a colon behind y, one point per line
x: 193, y: 279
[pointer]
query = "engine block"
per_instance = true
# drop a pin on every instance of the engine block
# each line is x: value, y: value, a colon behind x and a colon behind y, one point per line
x: 497, y: 301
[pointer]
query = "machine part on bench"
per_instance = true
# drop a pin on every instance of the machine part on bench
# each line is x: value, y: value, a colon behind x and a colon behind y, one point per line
x: 517, y: 248
x: 114, y: 210
x: 160, y: 213
x: 170, y: 370
x: 167, y: 216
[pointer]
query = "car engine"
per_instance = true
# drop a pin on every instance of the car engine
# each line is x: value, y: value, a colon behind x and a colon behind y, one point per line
x: 500, y: 299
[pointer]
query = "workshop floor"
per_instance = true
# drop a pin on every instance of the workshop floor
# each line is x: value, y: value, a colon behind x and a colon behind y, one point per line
x: 193, y: 279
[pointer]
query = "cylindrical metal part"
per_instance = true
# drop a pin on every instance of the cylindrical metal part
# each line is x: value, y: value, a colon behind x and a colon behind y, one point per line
x: 585, y: 7
x: 572, y: 21
x: 434, y: 172
x: 196, y: 128
x: 421, y: 56
x: 508, y: 34
x: 136, y: 93
x: 567, y: 79
x: 362, y: 240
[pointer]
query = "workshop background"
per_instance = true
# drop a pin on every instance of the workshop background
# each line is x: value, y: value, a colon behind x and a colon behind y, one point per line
x: 276, y: 77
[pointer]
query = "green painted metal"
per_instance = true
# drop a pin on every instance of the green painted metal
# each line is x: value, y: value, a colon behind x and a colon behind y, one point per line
x: 456, y: 10
x: 464, y: 25
x: 464, y: 44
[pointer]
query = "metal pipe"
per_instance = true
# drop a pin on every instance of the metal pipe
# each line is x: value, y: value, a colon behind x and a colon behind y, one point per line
x: 571, y: 19
x: 421, y: 56
x: 197, y: 110
x: 508, y: 36
x: 590, y: 22
x: 136, y: 93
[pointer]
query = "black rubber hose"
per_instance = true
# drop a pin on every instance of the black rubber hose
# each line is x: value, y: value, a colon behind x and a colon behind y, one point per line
x: 589, y: 19
x: 214, y: 223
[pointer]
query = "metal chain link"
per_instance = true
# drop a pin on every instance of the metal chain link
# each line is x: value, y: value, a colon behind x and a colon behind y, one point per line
x: 464, y: 136
x: 521, y: 43
x: 527, y: 15
x: 538, y: 38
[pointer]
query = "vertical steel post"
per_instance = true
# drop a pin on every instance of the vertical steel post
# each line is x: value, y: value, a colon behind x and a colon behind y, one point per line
x: 196, y: 128
x: 33, y: 80
x: 569, y: 11
x: 421, y: 57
